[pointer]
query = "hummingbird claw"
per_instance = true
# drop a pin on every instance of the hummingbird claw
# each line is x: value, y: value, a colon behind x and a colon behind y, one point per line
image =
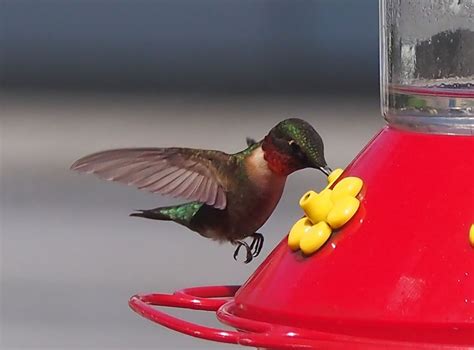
x: 236, y: 252
x: 241, y: 244
x: 253, y: 250
x: 249, y: 257
x: 257, y: 244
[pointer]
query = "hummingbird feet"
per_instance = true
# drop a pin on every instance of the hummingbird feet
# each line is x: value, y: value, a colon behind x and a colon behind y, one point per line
x: 241, y: 244
x: 252, y: 250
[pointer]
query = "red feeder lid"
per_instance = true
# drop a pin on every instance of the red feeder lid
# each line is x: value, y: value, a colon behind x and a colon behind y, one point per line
x: 399, y: 274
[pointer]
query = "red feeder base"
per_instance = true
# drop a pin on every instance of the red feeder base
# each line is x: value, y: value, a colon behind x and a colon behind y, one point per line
x: 399, y: 275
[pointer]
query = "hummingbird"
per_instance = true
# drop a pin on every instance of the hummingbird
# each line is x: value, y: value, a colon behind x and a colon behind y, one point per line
x: 230, y: 195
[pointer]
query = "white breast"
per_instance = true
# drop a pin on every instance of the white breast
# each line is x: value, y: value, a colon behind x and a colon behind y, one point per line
x: 270, y: 184
x: 258, y: 170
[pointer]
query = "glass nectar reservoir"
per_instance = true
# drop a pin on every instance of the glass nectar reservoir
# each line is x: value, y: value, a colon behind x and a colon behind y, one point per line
x: 427, y: 64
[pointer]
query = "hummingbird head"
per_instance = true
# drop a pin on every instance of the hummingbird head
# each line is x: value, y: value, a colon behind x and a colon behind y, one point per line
x: 293, y: 144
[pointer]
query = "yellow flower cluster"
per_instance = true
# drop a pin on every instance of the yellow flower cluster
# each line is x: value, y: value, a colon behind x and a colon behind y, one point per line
x: 325, y: 211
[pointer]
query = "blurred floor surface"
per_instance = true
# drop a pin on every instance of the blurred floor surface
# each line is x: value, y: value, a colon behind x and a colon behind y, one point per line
x: 71, y: 257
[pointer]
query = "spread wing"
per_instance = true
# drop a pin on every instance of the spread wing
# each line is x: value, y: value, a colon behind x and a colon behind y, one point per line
x: 178, y: 172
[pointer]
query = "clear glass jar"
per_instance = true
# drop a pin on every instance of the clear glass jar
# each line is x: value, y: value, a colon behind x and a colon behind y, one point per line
x: 427, y: 64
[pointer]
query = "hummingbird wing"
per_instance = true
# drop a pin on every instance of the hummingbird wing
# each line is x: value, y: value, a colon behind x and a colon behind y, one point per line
x: 178, y: 172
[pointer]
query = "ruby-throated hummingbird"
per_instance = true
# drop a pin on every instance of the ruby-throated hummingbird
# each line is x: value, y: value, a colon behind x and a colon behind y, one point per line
x: 232, y: 195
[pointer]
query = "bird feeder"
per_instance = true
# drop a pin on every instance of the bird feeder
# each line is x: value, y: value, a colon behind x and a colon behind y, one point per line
x: 400, y: 273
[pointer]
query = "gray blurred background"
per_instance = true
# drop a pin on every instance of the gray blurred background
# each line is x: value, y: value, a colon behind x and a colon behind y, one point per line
x: 83, y: 76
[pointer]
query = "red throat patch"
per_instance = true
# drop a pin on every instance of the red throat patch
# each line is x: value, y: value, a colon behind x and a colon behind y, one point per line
x: 279, y: 163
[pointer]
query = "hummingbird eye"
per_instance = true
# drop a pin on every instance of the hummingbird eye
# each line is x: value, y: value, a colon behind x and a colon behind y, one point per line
x: 294, y: 146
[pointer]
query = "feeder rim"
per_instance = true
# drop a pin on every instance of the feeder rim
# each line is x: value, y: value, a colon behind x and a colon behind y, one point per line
x: 257, y: 334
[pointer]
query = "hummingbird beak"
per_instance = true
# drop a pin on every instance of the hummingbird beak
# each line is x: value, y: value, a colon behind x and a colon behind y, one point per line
x: 326, y: 170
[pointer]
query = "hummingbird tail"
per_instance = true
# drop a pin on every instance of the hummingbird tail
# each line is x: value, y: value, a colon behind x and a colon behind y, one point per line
x: 154, y: 214
x: 182, y: 214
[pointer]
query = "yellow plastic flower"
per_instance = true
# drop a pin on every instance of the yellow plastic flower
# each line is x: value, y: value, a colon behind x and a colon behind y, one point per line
x: 328, y: 210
